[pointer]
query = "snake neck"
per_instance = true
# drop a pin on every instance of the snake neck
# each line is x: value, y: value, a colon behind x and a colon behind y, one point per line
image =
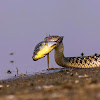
x: 59, y: 56
x: 75, y: 62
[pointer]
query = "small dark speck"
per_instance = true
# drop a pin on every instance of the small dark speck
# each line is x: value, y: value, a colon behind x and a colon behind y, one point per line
x: 9, y: 72
x: 12, y: 61
x: 90, y: 60
x: 87, y: 57
x: 76, y: 61
x: 95, y: 54
x: 85, y: 61
x: 11, y: 53
x: 72, y: 60
x: 95, y: 59
x: 82, y: 54
x: 81, y: 61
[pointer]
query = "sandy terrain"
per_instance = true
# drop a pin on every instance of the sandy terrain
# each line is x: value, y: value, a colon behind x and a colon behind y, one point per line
x: 78, y: 84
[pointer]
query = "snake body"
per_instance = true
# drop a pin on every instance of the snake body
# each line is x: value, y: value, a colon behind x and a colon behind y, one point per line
x: 73, y: 62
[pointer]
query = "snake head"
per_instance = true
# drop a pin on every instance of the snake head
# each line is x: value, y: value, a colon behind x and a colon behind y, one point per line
x: 57, y: 39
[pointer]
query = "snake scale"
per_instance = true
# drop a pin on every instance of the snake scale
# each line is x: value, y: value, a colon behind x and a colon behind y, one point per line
x: 73, y: 62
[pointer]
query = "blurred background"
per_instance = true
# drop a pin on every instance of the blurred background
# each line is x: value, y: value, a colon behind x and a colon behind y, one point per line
x: 24, y: 23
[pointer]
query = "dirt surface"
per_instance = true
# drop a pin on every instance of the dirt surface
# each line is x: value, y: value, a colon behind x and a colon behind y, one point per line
x: 76, y: 84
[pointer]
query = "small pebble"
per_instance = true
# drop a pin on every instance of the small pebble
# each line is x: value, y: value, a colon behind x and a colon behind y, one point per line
x: 38, y: 87
x: 76, y: 81
x: 82, y: 76
x: 15, y: 75
x: 22, y: 75
x: 9, y: 72
x: 71, y: 74
x: 50, y: 86
x: 31, y: 84
x: 10, y: 96
x: 7, y: 86
x: 2, y: 81
x: 1, y: 86
x: 85, y: 75
x: 76, y: 73
x: 39, y: 80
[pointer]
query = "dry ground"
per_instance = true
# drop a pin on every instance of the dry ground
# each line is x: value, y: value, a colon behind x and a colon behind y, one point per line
x: 79, y: 84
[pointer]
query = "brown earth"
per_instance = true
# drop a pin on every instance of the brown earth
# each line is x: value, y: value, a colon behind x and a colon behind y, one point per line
x: 78, y: 84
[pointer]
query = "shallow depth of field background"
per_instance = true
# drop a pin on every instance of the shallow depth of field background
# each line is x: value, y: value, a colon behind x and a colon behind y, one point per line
x: 24, y: 23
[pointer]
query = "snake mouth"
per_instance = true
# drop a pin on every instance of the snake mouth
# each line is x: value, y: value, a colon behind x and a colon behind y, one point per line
x: 53, y: 46
x: 60, y: 39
